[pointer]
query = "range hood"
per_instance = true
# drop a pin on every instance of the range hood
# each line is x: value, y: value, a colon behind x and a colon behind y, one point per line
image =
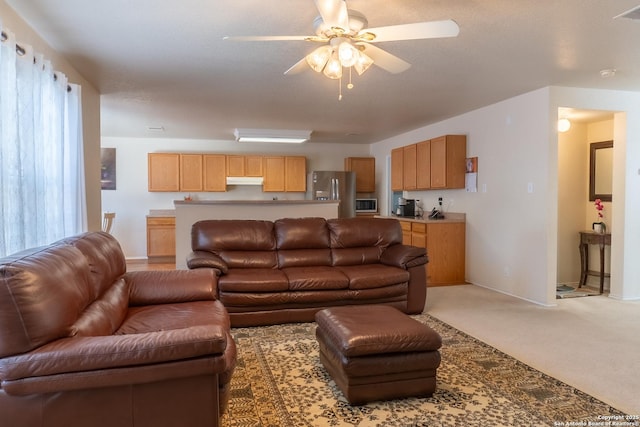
x: 244, y: 180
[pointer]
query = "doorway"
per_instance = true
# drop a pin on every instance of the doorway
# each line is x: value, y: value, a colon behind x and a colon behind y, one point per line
x: 576, y: 213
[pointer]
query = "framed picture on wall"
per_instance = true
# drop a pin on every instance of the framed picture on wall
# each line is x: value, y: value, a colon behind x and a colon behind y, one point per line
x: 108, y: 168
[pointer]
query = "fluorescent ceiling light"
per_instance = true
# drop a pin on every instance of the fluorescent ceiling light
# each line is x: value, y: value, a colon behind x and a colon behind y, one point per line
x: 272, y: 135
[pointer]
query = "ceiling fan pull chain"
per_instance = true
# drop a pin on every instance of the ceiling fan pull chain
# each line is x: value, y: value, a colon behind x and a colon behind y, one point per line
x: 340, y: 89
x: 350, y: 85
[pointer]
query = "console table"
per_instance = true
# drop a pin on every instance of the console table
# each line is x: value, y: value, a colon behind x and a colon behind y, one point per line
x: 592, y: 238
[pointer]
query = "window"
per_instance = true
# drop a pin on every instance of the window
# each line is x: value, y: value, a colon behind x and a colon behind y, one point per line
x: 41, y: 158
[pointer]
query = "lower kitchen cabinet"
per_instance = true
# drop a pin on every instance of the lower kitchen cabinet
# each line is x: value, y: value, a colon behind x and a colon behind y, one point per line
x: 445, y: 244
x: 161, y: 239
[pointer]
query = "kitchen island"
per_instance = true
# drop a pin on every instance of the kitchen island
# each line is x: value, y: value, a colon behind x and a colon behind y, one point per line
x: 189, y: 212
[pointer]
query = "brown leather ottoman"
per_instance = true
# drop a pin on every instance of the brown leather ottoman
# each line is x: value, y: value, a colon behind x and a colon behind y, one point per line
x: 377, y: 352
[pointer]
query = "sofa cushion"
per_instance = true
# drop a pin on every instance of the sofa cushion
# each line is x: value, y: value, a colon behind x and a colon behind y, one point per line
x: 152, y: 318
x: 373, y: 276
x: 304, y: 257
x: 301, y: 233
x: 240, y: 243
x: 364, y: 232
x: 253, y: 280
x: 105, y: 257
x: 315, y: 278
x: 105, y: 314
x: 42, y: 293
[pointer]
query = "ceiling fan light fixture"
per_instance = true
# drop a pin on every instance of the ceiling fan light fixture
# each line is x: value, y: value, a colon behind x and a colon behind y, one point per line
x: 318, y: 59
x: 348, y: 54
x: 333, y: 69
x: 363, y: 63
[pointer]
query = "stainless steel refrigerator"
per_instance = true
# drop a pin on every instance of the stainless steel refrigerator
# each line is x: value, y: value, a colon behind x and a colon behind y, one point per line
x: 334, y: 185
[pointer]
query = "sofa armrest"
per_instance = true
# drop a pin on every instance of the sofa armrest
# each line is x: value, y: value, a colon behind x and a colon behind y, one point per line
x: 84, y: 354
x: 170, y: 286
x: 404, y: 256
x: 204, y: 259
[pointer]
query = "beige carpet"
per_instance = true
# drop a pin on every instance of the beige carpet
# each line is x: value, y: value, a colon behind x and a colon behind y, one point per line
x: 279, y: 381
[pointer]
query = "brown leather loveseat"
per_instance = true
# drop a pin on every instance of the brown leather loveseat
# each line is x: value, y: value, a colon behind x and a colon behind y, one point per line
x: 286, y: 270
x: 84, y: 343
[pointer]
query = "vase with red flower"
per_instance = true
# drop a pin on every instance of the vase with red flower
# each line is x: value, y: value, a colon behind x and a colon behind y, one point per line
x: 599, y: 226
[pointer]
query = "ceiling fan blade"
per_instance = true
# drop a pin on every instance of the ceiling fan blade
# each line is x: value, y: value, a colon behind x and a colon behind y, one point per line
x: 334, y: 13
x: 264, y: 38
x: 419, y: 30
x: 384, y: 59
x: 298, y: 67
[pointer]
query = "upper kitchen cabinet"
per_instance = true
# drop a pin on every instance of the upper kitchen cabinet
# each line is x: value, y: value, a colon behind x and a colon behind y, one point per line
x: 295, y: 173
x: 191, y: 172
x: 365, y: 169
x: 409, y: 167
x: 423, y: 158
x: 285, y: 173
x: 163, y: 171
x: 244, y: 165
x: 215, y: 174
x: 397, y: 157
x: 438, y: 163
x: 273, y: 173
x: 448, y: 166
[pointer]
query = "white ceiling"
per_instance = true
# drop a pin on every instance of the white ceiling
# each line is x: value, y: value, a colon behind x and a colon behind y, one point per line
x: 165, y: 63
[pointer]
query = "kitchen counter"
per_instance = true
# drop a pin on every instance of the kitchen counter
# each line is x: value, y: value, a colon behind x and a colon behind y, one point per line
x: 449, y: 217
x: 254, y: 202
x: 161, y: 213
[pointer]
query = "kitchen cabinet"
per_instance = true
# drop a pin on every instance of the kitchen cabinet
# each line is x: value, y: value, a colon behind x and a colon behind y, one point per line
x: 365, y: 169
x: 438, y: 163
x: 163, y: 171
x: 448, y: 165
x: 244, y: 165
x: 409, y: 167
x: 215, y: 172
x: 397, y: 157
x: 273, y: 179
x: 295, y: 173
x: 445, y: 244
x: 285, y: 173
x: 423, y: 160
x: 161, y: 238
x: 191, y: 172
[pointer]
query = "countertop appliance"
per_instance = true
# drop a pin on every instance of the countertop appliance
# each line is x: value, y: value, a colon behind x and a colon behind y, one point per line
x: 334, y: 185
x: 366, y: 205
x: 406, y: 208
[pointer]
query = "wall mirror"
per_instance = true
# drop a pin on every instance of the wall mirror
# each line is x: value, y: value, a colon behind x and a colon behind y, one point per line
x: 601, y: 171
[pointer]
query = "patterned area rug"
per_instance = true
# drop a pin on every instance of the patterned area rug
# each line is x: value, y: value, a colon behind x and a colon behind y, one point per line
x: 280, y: 382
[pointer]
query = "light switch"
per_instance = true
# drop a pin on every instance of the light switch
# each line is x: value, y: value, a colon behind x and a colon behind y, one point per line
x: 530, y: 187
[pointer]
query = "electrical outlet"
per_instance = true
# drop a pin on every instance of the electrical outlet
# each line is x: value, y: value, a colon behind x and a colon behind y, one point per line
x: 507, y: 272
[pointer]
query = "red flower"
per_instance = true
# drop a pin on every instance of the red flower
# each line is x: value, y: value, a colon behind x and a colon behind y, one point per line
x: 599, y: 207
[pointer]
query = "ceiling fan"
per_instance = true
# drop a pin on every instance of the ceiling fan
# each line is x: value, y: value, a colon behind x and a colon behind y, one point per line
x: 348, y: 43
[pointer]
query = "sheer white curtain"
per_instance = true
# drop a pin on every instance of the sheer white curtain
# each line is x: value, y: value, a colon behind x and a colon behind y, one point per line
x: 41, y: 156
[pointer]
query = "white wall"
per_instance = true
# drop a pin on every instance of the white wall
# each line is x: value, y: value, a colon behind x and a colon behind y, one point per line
x: 512, y: 235
x: 90, y: 107
x: 131, y: 201
x: 573, y: 193
x: 505, y: 224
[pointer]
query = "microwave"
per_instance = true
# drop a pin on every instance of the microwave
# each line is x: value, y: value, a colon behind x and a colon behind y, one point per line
x: 367, y: 205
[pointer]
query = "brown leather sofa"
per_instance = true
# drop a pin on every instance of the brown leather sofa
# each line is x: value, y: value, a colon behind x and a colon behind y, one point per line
x: 84, y: 343
x: 287, y: 270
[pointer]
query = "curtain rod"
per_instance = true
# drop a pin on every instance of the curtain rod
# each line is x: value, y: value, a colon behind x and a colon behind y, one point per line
x: 21, y: 51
